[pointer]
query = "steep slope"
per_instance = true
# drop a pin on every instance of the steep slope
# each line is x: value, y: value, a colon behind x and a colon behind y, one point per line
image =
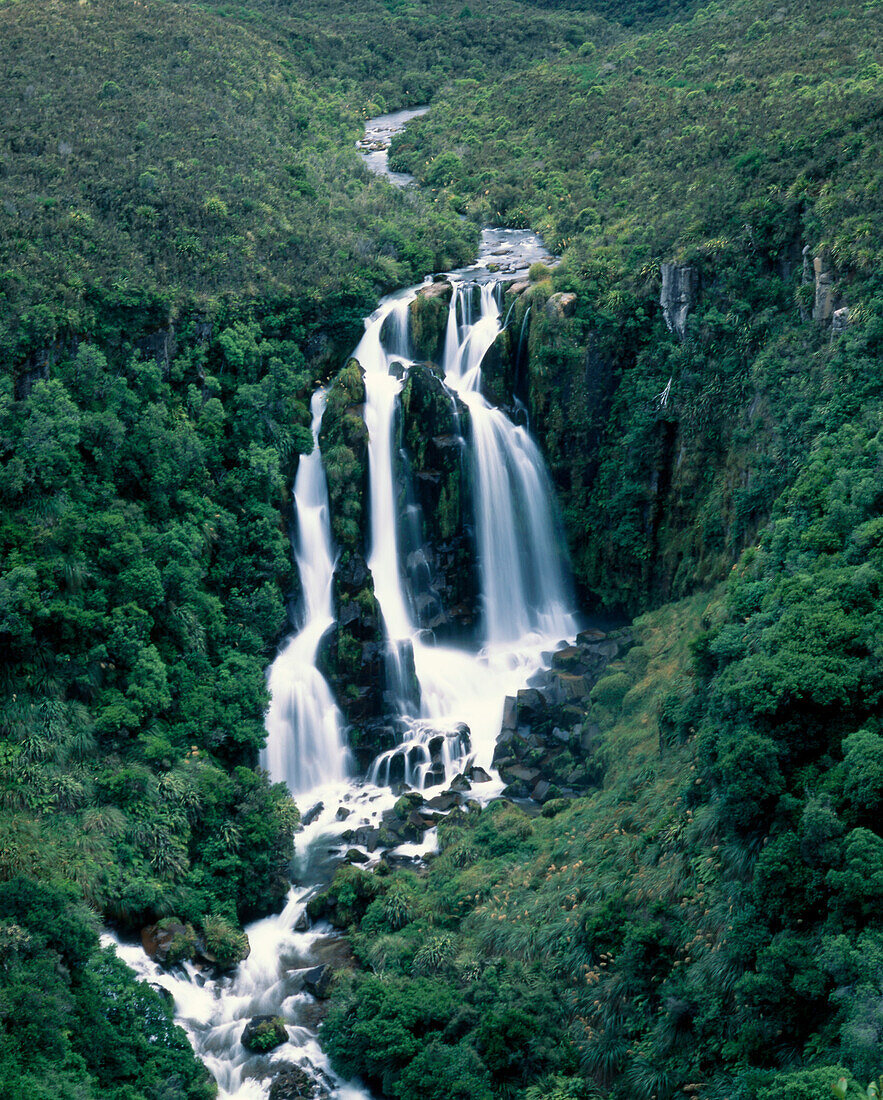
x: 725, y: 145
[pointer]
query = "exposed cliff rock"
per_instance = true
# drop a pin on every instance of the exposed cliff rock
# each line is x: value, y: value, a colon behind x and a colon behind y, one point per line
x: 825, y: 289
x: 545, y: 748
x: 680, y: 284
x: 436, y: 539
x: 429, y: 316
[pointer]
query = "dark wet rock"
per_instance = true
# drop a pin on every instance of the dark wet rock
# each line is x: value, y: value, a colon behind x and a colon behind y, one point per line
x: 318, y: 980
x: 343, y: 813
x: 510, y: 713
x: 546, y: 746
x: 311, y: 815
x: 263, y: 1033
x: 529, y: 702
x: 367, y: 837
x: 444, y: 802
x: 354, y: 855
x: 477, y: 774
x: 460, y: 783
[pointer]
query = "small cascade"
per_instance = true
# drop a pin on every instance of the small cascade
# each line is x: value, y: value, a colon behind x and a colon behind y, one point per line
x: 305, y: 744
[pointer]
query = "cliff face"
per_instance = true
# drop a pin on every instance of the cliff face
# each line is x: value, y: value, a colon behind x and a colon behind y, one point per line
x: 672, y: 426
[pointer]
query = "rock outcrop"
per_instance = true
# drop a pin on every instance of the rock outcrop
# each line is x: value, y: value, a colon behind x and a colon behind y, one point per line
x: 429, y: 316
x: 825, y: 290
x: 545, y: 748
x: 435, y: 540
x: 680, y: 285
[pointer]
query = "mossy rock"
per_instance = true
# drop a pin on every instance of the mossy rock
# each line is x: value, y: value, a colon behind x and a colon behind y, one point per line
x: 263, y: 1033
x: 429, y: 318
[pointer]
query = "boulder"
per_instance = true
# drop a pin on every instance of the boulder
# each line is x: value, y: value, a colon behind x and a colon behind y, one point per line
x: 442, y: 803
x: 561, y: 305
x: 318, y: 981
x: 408, y: 802
x: 311, y: 815
x: 477, y: 774
x: 530, y: 702
x: 170, y: 941
x: 572, y: 686
x: 263, y: 1033
x: 354, y: 855
x: 569, y: 659
x: 518, y: 287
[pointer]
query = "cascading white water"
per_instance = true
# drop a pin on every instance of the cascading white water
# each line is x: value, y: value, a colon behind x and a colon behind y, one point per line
x: 524, y: 589
x: 385, y: 342
x: 305, y: 744
x: 525, y: 604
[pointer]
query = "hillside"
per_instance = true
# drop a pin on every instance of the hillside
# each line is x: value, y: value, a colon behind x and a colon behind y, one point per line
x: 726, y: 145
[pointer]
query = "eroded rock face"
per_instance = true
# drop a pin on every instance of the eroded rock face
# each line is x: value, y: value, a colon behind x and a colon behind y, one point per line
x: 680, y: 285
x: 436, y: 547
x: 545, y: 748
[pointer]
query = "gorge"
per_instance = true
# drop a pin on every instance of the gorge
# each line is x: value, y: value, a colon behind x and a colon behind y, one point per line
x: 468, y: 691
x: 445, y: 702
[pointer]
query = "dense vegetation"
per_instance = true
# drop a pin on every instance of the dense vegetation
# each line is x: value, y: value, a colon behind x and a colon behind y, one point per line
x: 708, y: 923
x: 188, y: 242
x: 728, y: 143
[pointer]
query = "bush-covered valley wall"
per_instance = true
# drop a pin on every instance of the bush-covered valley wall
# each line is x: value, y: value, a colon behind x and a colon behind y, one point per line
x: 188, y: 245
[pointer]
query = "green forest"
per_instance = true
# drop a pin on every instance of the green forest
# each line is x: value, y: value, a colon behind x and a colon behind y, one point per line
x: 189, y: 242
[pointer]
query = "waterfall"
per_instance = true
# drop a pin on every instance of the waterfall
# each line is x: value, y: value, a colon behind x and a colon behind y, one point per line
x: 524, y: 582
x: 525, y: 597
x: 305, y: 744
x: 455, y: 717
